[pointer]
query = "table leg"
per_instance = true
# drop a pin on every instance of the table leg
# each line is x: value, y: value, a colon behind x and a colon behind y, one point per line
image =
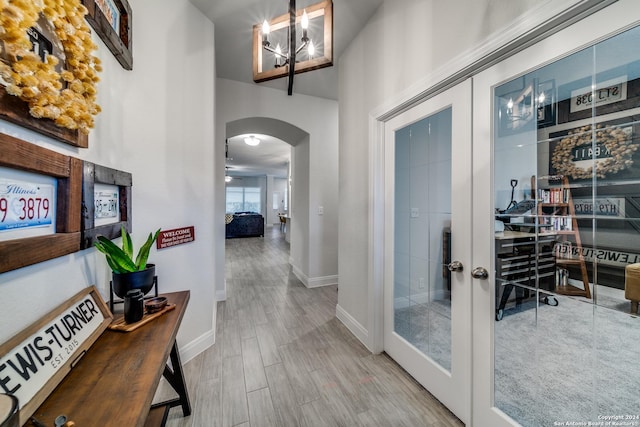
x: 175, y: 377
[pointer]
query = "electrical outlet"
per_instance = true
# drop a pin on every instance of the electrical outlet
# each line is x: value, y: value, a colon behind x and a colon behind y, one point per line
x: 421, y: 284
x: 415, y: 212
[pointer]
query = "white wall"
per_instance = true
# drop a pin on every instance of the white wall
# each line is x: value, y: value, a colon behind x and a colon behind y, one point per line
x: 319, y: 118
x: 406, y: 43
x: 157, y: 123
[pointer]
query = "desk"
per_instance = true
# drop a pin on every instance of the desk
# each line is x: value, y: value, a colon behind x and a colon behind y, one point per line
x: 523, y: 263
x: 115, y: 381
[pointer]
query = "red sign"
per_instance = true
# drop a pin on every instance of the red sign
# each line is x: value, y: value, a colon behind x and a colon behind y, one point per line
x: 174, y: 237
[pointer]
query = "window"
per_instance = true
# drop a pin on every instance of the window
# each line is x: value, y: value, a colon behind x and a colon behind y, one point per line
x: 243, y: 199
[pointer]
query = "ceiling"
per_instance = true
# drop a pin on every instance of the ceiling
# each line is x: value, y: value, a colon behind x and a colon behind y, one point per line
x: 233, y: 21
x: 270, y: 157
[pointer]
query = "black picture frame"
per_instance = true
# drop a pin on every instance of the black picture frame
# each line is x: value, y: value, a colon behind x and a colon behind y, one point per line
x: 93, y: 174
x: 120, y: 42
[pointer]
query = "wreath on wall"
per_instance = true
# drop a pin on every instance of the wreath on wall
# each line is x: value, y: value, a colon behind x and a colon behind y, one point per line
x: 618, y: 142
x: 64, y: 93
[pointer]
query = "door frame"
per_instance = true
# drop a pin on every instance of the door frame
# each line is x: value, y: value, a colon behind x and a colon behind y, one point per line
x: 533, y: 26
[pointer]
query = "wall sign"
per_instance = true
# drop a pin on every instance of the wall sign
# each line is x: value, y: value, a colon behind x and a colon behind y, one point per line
x: 66, y: 172
x: 601, y: 256
x: 106, y: 203
x: 35, y: 361
x: 113, y: 21
x: 177, y: 236
x: 27, y: 204
x: 602, y: 206
x: 605, y: 93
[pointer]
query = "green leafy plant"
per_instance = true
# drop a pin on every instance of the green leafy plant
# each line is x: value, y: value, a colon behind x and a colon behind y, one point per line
x: 121, y: 260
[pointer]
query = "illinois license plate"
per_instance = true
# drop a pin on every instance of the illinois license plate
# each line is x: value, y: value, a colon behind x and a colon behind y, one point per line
x: 25, y: 205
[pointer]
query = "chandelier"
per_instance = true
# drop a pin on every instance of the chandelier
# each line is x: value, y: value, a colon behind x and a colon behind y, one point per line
x: 273, y: 60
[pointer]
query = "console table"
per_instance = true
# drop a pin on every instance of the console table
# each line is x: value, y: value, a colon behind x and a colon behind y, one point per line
x: 114, y: 383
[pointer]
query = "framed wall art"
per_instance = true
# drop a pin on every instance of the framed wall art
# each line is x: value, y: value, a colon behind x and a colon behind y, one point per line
x: 35, y: 43
x: 106, y: 203
x: 112, y: 21
x: 30, y: 204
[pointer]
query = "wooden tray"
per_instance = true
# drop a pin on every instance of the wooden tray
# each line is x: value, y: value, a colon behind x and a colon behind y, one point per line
x: 120, y: 325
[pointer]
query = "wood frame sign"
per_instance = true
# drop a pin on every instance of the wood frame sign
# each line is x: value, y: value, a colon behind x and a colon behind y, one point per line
x: 95, y: 174
x: 112, y: 21
x: 35, y: 360
x: 23, y: 156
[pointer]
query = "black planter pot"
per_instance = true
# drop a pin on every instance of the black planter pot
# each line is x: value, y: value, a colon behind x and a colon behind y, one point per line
x: 143, y: 280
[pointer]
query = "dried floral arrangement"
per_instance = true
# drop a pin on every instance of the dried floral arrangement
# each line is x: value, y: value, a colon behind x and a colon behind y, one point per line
x: 617, y: 142
x: 64, y: 93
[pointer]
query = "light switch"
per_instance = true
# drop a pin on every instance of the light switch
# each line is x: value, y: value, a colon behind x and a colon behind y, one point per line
x: 320, y: 210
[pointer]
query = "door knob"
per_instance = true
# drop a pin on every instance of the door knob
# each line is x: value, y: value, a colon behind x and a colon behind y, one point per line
x: 455, y: 266
x: 480, y: 273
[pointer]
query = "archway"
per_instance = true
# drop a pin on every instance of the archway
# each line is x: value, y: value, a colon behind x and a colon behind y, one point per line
x: 299, y: 227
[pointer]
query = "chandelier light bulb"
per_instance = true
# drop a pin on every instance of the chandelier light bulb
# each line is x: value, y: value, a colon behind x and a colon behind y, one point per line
x: 227, y: 178
x: 510, y: 104
x: 311, y: 50
x: 265, y: 33
x: 541, y: 98
x: 278, y: 51
x: 305, y: 24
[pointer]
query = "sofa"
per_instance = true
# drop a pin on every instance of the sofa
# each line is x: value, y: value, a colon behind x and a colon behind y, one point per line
x: 244, y: 224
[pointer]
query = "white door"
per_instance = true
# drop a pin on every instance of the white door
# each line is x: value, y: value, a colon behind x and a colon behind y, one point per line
x: 556, y: 143
x: 427, y: 307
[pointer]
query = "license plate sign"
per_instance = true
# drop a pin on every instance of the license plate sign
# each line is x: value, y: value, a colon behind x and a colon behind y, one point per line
x: 25, y: 205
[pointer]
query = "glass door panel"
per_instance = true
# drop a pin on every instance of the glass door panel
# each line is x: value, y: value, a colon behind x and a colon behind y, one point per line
x: 422, y: 304
x: 567, y: 136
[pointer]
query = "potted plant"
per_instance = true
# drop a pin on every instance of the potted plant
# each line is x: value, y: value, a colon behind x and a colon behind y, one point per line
x: 127, y: 273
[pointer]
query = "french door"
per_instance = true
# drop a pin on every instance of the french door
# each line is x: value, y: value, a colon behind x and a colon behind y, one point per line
x: 556, y: 142
x: 427, y: 296
x: 547, y: 340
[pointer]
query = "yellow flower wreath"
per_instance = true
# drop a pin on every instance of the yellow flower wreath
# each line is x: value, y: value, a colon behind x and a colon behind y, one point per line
x: 39, y: 83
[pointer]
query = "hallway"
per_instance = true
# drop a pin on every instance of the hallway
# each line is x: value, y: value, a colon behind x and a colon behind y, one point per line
x: 281, y: 357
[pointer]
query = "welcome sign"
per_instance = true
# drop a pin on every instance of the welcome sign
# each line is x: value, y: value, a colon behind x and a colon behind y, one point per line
x: 34, y: 362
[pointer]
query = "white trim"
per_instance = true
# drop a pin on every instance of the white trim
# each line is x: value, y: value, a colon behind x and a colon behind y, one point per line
x: 376, y: 236
x: 300, y: 275
x: 318, y: 282
x: 314, y: 282
x: 353, y: 325
x: 221, y: 294
x: 197, y: 346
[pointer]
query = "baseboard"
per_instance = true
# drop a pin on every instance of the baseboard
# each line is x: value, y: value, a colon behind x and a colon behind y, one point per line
x: 359, y: 331
x: 221, y: 294
x: 314, y: 282
x: 317, y: 282
x: 197, y: 346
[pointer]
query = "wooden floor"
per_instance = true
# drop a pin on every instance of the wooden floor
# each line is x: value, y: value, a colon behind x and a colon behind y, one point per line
x: 281, y: 357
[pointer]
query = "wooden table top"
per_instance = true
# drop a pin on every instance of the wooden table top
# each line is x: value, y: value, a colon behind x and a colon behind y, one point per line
x: 114, y: 383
